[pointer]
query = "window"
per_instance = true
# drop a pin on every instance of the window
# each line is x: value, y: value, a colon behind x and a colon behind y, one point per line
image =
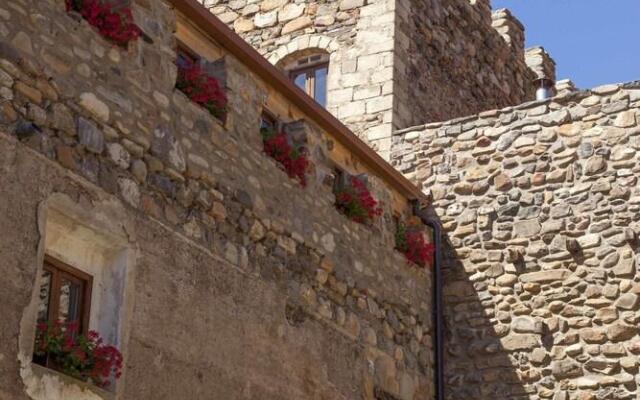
x: 185, y: 56
x: 202, y: 81
x: 87, y: 270
x: 310, y: 74
x: 268, y: 122
x: 65, y: 294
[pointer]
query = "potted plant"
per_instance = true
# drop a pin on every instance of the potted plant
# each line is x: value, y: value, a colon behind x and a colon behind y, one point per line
x: 60, y: 347
x: 201, y: 88
x: 354, y: 199
x: 411, y: 241
x: 113, y: 19
x: 292, y: 157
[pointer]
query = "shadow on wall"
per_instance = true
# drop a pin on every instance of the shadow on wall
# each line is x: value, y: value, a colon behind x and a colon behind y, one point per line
x: 542, y: 207
x: 478, y: 365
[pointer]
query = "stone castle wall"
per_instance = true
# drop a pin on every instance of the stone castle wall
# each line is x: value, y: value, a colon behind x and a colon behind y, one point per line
x: 395, y: 63
x: 454, y: 58
x: 243, y: 284
x: 541, y: 203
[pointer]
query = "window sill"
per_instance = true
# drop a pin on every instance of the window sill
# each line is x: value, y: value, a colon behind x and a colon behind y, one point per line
x: 40, y: 372
x: 220, y: 122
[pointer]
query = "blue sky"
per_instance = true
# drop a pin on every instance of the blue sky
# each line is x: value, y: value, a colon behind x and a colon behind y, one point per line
x: 592, y: 41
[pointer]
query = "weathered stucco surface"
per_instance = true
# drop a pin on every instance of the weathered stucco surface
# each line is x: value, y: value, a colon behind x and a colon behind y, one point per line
x: 541, y: 203
x: 245, y: 285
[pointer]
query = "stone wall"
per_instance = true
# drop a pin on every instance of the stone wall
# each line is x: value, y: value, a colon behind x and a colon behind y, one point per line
x: 454, y: 58
x: 395, y: 63
x: 244, y: 284
x: 541, y: 203
x: 358, y: 35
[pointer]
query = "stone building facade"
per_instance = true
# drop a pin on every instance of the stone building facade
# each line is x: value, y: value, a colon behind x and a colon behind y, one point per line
x: 219, y: 277
x: 539, y: 200
x: 215, y: 274
x: 395, y: 63
x: 541, y: 204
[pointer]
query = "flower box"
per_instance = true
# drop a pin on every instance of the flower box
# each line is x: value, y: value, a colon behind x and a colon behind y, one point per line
x: 45, y: 375
x: 354, y: 199
x: 60, y: 347
x: 290, y: 152
x: 112, y: 18
x: 411, y: 241
x: 202, y: 87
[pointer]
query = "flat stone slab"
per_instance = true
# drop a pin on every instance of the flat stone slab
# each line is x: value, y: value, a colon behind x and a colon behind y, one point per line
x: 545, y: 276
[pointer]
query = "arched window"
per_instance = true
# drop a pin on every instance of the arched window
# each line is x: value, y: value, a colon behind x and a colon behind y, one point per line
x: 309, y: 73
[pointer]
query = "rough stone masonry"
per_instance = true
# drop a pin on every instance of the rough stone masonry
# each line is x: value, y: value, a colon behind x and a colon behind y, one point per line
x: 396, y: 63
x: 237, y: 282
x: 245, y: 287
x: 541, y: 203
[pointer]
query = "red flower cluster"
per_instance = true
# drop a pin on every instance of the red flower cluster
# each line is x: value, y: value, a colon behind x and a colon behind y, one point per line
x: 201, y: 88
x: 412, y: 243
x: 83, y: 357
x: 356, y: 202
x: 113, y: 21
x: 293, y: 160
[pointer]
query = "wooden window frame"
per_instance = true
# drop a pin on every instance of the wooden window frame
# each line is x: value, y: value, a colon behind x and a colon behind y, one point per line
x: 59, y: 270
x: 271, y: 118
x: 183, y: 49
x: 310, y: 76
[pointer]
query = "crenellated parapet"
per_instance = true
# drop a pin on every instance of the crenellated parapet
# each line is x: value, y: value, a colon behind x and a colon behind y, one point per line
x: 510, y: 28
x: 540, y: 62
x: 565, y: 87
x: 483, y: 8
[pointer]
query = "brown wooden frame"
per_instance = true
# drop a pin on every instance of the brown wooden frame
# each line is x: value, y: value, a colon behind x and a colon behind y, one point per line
x: 186, y: 50
x: 310, y: 76
x: 60, y: 270
x: 270, y: 117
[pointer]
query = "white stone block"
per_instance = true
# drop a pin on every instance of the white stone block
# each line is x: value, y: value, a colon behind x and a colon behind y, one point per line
x: 351, y: 109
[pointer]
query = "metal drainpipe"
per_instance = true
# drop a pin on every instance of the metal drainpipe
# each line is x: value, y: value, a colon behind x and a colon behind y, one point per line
x: 438, y: 319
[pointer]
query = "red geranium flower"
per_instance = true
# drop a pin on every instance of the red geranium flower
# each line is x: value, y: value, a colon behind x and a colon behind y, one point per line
x: 113, y: 21
x: 412, y: 243
x: 82, y: 357
x: 201, y: 88
x: 294, y: 161
x: 356, y: 202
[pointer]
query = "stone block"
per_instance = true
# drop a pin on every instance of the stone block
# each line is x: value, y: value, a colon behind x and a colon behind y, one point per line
x: 520, y: 342
x: 291, y: 11
x: 620, y: 332
x: 563, y: 369
x: 627, y: 301
x: 527, y: 228
x: 97, y: 108
x: 350, y: 4
x: 297, y: 24
x: 545, y: 276
x: 264, y: 20
x: 90, y: 136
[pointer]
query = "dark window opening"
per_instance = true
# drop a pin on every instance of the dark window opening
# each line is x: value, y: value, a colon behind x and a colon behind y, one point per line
x: 339, y: 176
x: 185, y: 57
x: 268, y: 122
